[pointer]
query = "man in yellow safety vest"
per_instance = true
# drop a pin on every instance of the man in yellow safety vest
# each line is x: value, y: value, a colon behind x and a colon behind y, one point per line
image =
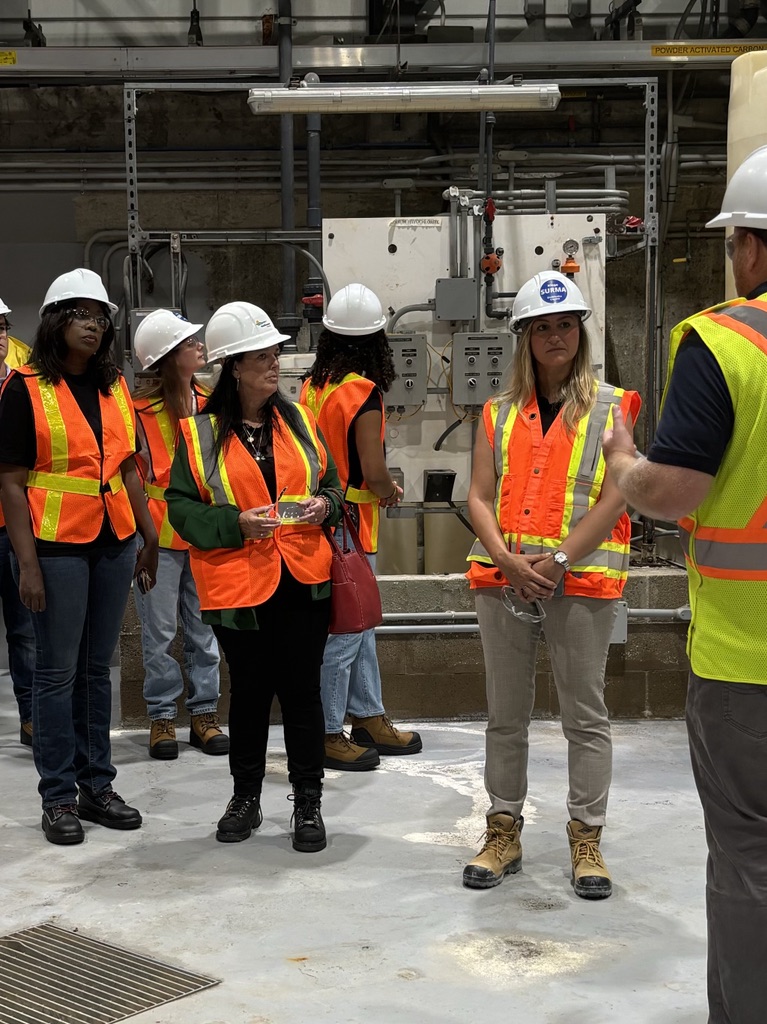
x: 707, y: 468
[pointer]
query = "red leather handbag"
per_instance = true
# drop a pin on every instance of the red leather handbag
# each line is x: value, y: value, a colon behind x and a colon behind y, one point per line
x: 355, y: 601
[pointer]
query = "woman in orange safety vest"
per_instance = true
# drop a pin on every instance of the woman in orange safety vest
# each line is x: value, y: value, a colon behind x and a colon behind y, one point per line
x: 354, y: 367
x: 552, y: 557
x: 251, y: 487
x: 168, y: 345
x: 72, y: 501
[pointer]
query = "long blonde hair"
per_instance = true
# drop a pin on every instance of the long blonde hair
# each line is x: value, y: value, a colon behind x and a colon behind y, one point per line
x: 577, y: 393
x: 169, y: 392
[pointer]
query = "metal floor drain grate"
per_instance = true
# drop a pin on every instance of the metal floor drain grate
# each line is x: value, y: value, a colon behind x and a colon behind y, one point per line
x: 52, y: 976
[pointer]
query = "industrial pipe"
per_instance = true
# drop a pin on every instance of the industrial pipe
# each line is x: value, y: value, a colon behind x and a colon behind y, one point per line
x: 450, y: 626
x: 415, y: 308
x: 287, y: 157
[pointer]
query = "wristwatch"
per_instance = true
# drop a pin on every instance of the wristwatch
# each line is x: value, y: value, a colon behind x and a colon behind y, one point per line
x: 561, y: 559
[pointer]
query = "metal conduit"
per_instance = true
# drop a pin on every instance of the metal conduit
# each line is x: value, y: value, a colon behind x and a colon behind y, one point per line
x: 414, y: 628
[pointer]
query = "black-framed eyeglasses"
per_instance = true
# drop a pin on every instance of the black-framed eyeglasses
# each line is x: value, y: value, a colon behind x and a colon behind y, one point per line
x: 531, y: 612
x: 729, y: 246
x: 86, y: 317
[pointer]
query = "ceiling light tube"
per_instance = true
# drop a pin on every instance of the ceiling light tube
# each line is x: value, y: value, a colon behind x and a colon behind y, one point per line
x: 417, y: 98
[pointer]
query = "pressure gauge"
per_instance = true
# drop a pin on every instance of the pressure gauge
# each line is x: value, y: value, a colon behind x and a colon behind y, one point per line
x: 570, y: 247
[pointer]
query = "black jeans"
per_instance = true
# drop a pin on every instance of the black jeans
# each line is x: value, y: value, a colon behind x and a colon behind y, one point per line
x: 283, y: 657
x: 727, y: 726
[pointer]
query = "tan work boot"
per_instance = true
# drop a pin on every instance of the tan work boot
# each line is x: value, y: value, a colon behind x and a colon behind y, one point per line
x: 590, y: 877
x: 345, y: 756
x: 206, y: 734
x: 162, y: 740
x: 378, y: 732
x: 501, y: 853
x: 25, y: 734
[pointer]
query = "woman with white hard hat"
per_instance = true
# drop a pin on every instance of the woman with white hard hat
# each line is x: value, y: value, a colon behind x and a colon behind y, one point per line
x: 251, y: 487
x: 551, y: 557
x: 170, y: 347
x: 353, y: 370
x: 19, y: 634
x: 72, y: 501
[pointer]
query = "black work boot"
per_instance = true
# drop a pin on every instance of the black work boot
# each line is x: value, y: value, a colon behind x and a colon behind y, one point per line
x: 62, y: 826
x: 241, y: 817
x: 107, y: 808
x: 309, y: 828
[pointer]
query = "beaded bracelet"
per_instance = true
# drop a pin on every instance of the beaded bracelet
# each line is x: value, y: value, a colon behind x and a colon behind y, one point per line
x: 328, y: 506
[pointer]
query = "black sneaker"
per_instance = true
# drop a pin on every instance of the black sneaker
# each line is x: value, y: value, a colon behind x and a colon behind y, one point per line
x: 107, y: 808
x: 61, y: 825
x: 241, y: 817
x: 309, y: 831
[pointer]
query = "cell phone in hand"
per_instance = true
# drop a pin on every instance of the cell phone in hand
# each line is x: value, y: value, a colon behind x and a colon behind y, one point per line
x: 144, y: 581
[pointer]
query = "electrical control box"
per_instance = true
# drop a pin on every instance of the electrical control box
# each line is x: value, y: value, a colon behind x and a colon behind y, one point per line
x: 479, y: 365
x: 409, y: 354
x: 294, y: 369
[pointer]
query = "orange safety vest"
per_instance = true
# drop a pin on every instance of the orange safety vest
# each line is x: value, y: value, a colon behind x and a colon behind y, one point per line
x: 248, y: 576
x: 72, y: 484
x: 546, y: 484
x: 154, y: 461
x: 334, y: 407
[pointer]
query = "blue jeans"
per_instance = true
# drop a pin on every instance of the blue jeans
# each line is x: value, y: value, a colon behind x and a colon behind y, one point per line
x: 85, y: 599
x: 173, y: 597
x: 350, y: 680
x: 19, y: 633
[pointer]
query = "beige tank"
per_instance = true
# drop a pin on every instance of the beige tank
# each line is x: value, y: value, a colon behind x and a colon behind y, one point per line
x: 746, y: 123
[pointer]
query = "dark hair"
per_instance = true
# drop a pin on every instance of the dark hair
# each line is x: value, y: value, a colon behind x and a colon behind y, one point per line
x: 49, y: 349
x: 760, y: 233
x: 170, y: 392
x: 369, y: 356
x: 224, y: 404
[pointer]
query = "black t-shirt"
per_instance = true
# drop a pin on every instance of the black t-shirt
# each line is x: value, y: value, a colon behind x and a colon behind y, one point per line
x: 373, y: 403
x: 18, y: 444
x: 698, y: 415
x: 548, y: 411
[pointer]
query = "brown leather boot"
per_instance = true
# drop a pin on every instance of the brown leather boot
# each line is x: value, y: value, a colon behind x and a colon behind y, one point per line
x: 162, y: 740
x: 378, y: 732
x: 205, y: 733
x: 345, y: 756
x: 590, y: 877
x: 501, y: 853
x: 25, y: 734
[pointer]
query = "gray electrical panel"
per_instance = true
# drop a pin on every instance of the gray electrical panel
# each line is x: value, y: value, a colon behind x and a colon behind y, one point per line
x: 456, y: 298
x: 409, y: 353
x: 479, y: 365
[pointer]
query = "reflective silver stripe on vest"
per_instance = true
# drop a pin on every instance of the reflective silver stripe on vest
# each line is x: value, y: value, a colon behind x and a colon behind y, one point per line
x: 592, y: 449
x: 500, y: 425
x: 207, y: 432
x: 604, y: 559
x: 748, y: 315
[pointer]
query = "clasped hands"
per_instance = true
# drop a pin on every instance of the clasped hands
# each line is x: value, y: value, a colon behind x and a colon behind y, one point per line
x: 261, y: 522
x: 532, y: 577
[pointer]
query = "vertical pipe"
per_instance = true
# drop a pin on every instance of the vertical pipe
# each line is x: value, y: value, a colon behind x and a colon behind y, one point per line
x: 453, y: 243
x: 287, y: 158
x: 463, y: 265
x: 313, y: 179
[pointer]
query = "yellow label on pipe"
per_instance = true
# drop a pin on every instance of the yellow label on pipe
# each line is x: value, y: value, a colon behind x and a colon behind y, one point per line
x: 7, y: 56
x: 704, y: 49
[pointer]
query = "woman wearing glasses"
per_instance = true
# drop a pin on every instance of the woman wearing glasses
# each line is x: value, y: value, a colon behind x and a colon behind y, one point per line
x: 168, y: 346
x: 552, y: 557
x: 72, y: 501
x: 251, y: 486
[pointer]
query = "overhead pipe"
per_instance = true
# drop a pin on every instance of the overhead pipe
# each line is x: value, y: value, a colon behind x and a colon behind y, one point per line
x: 287, y: 168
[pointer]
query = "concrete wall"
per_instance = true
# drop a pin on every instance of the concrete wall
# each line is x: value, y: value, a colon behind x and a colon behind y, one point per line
x: 441, y: 675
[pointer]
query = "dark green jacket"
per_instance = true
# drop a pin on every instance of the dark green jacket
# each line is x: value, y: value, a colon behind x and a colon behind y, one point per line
x: 215, y: 526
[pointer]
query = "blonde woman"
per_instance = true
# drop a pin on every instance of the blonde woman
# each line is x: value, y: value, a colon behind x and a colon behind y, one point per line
x: 552, y: 557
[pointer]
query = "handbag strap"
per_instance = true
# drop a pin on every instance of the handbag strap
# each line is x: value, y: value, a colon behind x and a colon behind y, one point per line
x: 347, y: 524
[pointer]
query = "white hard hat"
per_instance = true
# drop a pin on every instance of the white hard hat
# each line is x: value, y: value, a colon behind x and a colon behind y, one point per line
x: 4, y: 308
x: 354, y: 310
x: 745, y: 200
x: 77, y: 284
x: 159, y: 333
x: 238, y: 327
x: 546, y: 293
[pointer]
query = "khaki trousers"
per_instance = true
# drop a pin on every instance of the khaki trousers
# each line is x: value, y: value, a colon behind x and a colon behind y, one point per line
x: 577, y: 631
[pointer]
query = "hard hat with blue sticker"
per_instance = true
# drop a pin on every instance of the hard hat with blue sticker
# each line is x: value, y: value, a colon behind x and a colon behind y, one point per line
x: 553, y: 291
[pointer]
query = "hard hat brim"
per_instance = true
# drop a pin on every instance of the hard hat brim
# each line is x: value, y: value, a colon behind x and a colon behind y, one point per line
x: 518, y: 326
x: 110, y: 305
x: 239, y: 348
x: 355, y: 332
x: 739, y: 219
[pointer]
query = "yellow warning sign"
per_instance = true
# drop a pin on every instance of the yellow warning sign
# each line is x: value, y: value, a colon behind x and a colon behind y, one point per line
x: 700, y: 49
x: 7, y: 56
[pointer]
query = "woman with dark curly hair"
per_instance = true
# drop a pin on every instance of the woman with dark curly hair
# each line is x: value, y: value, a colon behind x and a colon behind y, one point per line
x: 354, y: 367
x: 72, y: 501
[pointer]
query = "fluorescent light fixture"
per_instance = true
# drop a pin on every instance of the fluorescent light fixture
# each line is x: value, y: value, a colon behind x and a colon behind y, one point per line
x: 370, y: 99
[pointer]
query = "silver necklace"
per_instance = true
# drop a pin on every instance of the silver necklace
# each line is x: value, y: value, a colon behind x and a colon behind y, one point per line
x: 258, y: 448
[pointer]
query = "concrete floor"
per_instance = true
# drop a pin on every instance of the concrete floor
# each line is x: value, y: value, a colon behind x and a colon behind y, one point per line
x: 378, y: 929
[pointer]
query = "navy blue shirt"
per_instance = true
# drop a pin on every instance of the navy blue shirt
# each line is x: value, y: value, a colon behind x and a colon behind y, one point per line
x: 698, y: 416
